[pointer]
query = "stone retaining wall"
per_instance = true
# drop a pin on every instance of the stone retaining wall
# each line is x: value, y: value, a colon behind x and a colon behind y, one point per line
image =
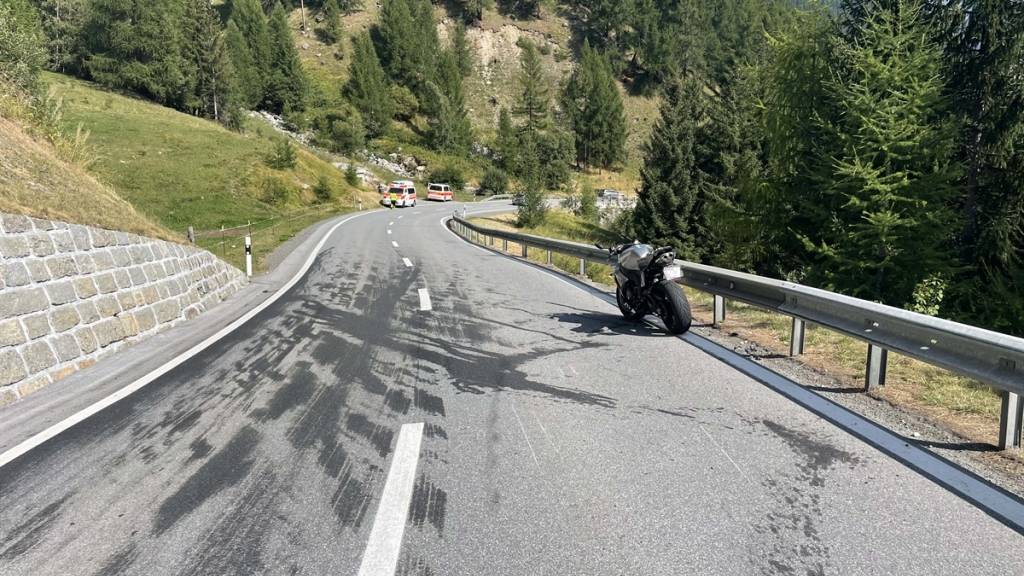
x: 70, y: 295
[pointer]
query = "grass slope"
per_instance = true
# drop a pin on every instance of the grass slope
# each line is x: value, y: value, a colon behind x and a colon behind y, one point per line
x: 180, y: 170
x: 36, y: 181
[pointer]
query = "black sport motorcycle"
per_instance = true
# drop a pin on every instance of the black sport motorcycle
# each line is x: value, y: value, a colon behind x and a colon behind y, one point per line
x: 645, y: 284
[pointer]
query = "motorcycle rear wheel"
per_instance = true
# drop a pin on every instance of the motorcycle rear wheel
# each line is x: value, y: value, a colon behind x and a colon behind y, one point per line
x: 628, y: 311
x: 674, y: 309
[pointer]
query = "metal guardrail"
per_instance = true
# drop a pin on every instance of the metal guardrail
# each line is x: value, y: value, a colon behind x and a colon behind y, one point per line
x: 990, y: 357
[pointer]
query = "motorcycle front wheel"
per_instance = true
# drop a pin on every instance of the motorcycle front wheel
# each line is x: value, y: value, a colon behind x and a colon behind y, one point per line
x: 630, y: 312
x: 673, y: 308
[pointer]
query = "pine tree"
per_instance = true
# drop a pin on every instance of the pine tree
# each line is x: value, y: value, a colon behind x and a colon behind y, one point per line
x: 332, y: 30
x: 211, y: 92
x: 250, y: 50
x: 595, y: 111
x: 286, y: 83
x: 606, y: 20
x: 460, y: 46
x: 505, y: 144
x: 667, y: 211
x: 894, y: 171
x: 984, y: 48
x: 367, y: 87
x: 62, y: 22
x: 408, y: 42
x: 534, y: 94
x: 450, y: 128
x: 136, y: 45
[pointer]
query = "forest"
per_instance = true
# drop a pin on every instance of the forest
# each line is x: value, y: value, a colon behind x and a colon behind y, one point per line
x: 871, y: 147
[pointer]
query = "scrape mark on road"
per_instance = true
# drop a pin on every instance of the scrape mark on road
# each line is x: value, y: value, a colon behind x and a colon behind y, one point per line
x: 226, y: 468
x: 379, y: 436
x: 31, y: 531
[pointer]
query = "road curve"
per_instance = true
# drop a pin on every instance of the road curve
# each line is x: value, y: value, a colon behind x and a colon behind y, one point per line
x: 418, y: 405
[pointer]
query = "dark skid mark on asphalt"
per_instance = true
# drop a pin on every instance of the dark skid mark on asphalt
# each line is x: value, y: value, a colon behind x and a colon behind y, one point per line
x: 224, y: 469
x: 234, y: 545
x: 791, y: 526
x: 119, y: 562
x: 429, y: 403
x: 31, y: 531
x: 379, y: 435
x: 429, y: 504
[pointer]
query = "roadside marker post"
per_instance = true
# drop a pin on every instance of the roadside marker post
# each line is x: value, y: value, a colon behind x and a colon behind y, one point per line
x: 248, y: 255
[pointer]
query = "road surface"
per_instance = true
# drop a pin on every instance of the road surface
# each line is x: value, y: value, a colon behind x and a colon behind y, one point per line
x: 418, y: 405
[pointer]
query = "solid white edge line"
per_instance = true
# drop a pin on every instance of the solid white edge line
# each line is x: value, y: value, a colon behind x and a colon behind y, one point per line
x: 385, y: 543
x: 54, y: 430
x: 408, y: 263
x: 424, y: 300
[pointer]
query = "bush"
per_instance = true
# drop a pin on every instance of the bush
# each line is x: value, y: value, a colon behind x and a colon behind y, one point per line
x: 450, y: 175
x: 322, y: 190
x: 495, y: 181
x: 278, y: 192
x: 284, y: 155
x: 588, y: 205
x: 22, y: 48
x: 340, y: 129
x: 533, y: 210
x: 352, y: 175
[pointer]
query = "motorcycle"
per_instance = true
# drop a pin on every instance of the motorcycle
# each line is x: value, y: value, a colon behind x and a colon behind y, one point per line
x: 645, y: 284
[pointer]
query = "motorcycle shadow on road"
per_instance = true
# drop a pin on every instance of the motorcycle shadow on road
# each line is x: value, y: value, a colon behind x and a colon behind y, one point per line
x: 607, y: 324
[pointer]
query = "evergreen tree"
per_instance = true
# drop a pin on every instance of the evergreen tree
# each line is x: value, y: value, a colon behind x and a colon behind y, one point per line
x: 247, y: 78
x: 594, y: 108
x: 367, y: 87
x: 62, y: 22
x: 408, y: 42
x: 250, y: 50
x: 450, y: 128
x: 985, y: 49
x: 460, y: 46
x: 136, y: 45
x: 286, y: 83
x: 894, y: 169
x: 211, y: 85
x: 606, y: 20
x: 534, y: 95
x: 332, y: 30
x: 667, y: 211
x: 505, y: 144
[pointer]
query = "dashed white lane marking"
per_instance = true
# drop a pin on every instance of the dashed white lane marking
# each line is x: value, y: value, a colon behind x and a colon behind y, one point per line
x: 408, y: 263
x: 385, y: 545
x: 389, y: 231
x: 395, y: 244
x: 392, y: 223
x: 424, y: 300
x: 400, y: 217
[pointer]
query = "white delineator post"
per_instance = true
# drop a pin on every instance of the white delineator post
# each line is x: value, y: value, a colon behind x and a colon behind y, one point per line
x: 248, y: 255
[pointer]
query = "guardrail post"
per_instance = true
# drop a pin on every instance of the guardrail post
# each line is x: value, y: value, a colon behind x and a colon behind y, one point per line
x: 719, y: 311
x: 504, y: 244
x: 1011, y: 421
x: 796, y: 340
x: 583, y: 267
x: 549, y: 257
x: 875, y: 373
x: 526, y: 251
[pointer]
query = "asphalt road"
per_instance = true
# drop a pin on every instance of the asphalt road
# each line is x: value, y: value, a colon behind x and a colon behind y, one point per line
x: 421, y: 405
